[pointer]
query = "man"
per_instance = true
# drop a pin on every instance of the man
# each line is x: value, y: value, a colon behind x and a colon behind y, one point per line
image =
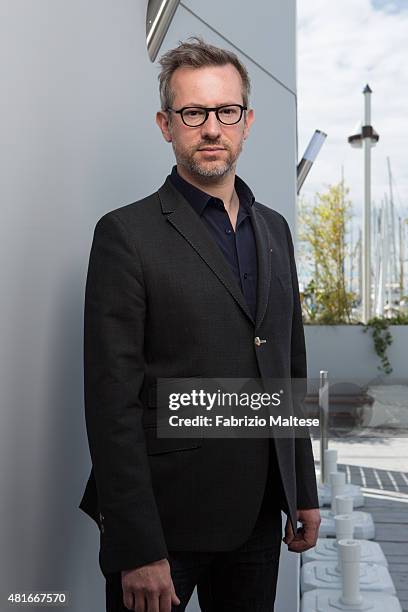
x: 197, y: 279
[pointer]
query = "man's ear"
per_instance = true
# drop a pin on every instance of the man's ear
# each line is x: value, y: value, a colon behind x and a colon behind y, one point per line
x: 162, y: 120
x: 250, y: 117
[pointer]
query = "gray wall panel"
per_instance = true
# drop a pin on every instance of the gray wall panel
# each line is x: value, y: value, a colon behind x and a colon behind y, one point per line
x: 264, y: 30
x: 74, y: 143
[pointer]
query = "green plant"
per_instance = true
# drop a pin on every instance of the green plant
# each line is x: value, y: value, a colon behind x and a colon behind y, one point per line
x: 400, y: 318
x: 383, y: 338
x: 322, y: 232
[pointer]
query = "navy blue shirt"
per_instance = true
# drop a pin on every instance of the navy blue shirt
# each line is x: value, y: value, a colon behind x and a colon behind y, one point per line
x: 239, y: 247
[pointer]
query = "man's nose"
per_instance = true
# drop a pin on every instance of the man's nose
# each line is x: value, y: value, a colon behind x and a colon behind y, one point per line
x: 211, y: 127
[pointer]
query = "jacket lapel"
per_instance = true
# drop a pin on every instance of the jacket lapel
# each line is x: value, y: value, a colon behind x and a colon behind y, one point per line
x: 185, y: 220
x: 264, y: 255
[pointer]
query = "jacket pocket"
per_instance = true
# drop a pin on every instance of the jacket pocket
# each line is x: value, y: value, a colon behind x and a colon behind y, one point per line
x: 151, y: 394
x: 158, y: 446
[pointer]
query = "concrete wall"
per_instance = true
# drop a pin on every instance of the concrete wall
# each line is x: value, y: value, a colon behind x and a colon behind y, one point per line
x: 347, y: 352
x: 78, y: 138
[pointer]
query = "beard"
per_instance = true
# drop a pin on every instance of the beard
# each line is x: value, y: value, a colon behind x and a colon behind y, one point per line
x: 207, y: 169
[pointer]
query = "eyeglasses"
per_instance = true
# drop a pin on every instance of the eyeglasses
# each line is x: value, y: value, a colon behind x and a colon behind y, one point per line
x: 193, y: 116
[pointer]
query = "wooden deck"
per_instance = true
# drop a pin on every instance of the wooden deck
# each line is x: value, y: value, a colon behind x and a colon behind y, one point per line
x: 386, y: 498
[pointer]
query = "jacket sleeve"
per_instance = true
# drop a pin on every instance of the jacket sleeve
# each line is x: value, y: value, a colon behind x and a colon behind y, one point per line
x: 306, y: 486
x: 131, y: 532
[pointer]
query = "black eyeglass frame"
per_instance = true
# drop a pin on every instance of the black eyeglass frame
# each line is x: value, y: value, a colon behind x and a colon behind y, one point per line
x: 208, y: 110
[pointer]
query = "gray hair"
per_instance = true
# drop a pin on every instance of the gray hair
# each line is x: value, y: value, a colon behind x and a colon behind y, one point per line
x: 197, y: 54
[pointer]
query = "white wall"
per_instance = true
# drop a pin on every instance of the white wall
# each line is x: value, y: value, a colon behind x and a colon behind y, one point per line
x: 78, y: 138
x: 347, y: 352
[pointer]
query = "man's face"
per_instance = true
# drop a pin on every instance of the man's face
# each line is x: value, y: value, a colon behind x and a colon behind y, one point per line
x: 210, y: 86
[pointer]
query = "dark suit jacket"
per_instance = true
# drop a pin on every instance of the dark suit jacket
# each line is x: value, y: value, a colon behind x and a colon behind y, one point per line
x: 161, y: 301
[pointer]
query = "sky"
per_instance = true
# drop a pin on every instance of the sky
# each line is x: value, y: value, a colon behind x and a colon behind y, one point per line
x: 342, y: 46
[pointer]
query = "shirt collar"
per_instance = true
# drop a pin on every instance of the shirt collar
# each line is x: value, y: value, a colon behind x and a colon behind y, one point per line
x: 199, y: 199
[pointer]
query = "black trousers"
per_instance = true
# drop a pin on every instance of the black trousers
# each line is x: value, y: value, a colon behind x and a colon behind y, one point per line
x: 241, y: 580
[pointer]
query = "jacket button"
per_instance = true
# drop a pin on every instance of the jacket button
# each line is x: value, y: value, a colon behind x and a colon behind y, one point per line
x: 258, y: 341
